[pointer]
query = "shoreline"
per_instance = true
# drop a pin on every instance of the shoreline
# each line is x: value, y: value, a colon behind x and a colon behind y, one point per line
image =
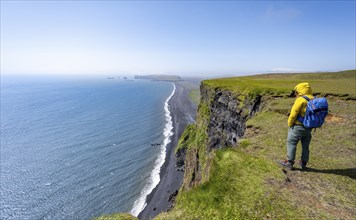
x: 182, y: 110
x: 140, y: 203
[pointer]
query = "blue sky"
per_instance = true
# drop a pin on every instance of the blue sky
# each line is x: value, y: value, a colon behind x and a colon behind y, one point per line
x: 178, y: 37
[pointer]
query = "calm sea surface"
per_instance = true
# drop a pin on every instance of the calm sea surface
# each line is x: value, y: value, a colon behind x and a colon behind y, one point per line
x: 77, y: 149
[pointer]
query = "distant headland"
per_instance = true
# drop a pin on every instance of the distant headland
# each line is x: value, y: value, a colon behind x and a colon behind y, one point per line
x: 170, y: 78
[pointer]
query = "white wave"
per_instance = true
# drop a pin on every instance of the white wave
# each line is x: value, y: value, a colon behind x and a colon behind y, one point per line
x: 154, y: 179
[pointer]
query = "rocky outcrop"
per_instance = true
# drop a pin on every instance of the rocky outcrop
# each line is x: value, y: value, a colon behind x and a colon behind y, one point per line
x: 228, y: 114
x: 180, y: 156
x: 220, y: 123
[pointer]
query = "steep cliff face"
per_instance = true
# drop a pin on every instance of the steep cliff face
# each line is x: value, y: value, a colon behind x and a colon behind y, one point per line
x: 244, y: 181
x: 228, y: 114
x: 220, y: 123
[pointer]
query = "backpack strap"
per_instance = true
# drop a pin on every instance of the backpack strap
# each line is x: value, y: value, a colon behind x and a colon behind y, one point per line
x: 300, y: 118
x: 306, y: 97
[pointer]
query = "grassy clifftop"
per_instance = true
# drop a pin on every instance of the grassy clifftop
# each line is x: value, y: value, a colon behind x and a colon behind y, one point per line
x: 245, y: 181
x: 337, y: 83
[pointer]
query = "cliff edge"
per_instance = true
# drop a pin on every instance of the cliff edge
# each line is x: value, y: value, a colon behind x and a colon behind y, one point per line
x: 231, y: 154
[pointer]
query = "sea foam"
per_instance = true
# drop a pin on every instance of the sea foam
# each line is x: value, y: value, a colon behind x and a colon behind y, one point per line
x: 154, y: 179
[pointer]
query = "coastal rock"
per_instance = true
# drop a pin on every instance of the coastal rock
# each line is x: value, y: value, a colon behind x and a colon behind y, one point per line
x: 221, y: 122
x: 180, y: 158
x: 228, y: 115
x: 173, y: 196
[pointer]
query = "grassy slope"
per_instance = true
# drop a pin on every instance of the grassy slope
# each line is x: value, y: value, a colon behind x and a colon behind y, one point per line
x: 247, y: 183
x: 282, y: 84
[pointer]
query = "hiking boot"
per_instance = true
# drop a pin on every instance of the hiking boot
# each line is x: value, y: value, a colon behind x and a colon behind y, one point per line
x: 287, y: 164
x: 303, y: 165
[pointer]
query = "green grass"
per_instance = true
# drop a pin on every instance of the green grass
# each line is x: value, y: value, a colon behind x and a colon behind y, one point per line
x: 238, y: 189
x: 329, y: 187
x: 246, y: 182
x: 194, y: 140
x: 282, y: 84
x: 185, y: 141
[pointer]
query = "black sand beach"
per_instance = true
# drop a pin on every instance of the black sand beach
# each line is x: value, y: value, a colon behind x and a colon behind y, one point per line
x: 183, y: 112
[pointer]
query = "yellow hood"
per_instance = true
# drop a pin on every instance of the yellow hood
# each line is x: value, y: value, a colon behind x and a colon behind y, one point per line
x: 303, y: 89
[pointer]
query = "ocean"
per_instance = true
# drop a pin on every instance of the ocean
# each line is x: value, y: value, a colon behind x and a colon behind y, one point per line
x: 78, y: 149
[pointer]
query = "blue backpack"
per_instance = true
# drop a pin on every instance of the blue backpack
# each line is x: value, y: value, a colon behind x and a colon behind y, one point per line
x: 316, y: 112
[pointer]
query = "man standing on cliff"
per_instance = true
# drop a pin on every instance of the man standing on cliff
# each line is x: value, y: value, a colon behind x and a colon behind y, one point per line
x: 297, y: 132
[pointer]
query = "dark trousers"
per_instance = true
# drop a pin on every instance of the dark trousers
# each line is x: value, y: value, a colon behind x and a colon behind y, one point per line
x: 298, y: 133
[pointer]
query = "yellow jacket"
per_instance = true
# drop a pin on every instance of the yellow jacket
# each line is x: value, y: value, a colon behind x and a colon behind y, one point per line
x: 300, y: 104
